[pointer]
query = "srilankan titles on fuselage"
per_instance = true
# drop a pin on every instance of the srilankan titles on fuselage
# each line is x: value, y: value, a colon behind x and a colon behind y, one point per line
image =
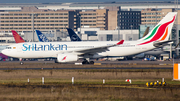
x: 58, y: 47
x: 46, y: 47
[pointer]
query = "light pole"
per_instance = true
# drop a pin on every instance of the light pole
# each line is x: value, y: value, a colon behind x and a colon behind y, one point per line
x: 32, y: 18
x: 131, y: 32
x: 63, y: 21
x: 79, y: 24
x: 171, y: 47
x: 177, y: 29
x: 118, y: 33
x: 156, y: 15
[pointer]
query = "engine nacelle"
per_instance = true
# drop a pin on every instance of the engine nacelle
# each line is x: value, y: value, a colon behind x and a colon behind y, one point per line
x: 67, y: 57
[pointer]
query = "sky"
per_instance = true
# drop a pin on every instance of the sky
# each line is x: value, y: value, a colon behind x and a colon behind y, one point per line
x: 68, y: 1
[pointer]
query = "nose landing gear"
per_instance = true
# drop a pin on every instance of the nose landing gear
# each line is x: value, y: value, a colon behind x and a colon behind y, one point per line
x: 21, y: 63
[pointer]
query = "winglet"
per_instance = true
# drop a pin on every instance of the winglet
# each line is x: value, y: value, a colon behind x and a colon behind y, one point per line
x: 17, y: 37
x: 120, y: 42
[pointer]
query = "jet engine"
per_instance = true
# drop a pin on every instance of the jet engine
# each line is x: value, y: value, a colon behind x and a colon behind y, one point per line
x: 67, y: 57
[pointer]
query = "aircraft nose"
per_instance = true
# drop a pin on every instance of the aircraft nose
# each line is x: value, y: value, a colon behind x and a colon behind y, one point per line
x: 4, y: 52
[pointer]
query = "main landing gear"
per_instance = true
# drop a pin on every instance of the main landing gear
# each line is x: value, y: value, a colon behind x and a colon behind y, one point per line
x: 21, y: 63
x: 86, y: 62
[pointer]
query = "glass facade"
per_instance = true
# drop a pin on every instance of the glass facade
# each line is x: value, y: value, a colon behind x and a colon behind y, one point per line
x: 129, y: 19
x: 143, y: 29
x: 109, y: 37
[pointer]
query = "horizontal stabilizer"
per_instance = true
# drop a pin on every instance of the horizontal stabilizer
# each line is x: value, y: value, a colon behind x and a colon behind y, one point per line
x: 162, y: 43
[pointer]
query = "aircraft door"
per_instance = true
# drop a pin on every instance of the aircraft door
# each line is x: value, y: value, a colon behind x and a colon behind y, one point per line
x: 19, y: 48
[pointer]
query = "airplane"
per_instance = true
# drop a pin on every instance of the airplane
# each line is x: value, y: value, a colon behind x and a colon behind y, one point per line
x: 155, y: 52
x: 17, y: 37
x: 71, y: 51
x: 41, y: 36
x: 73, y: 36
x: 146, y: 32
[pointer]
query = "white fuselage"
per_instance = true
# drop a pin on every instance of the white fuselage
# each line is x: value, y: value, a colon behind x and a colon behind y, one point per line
x: 51, y: 49
x: 70, y: 51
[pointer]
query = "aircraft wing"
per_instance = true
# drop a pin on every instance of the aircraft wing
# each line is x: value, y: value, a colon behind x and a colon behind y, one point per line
x: 98, y: 49
x: 162, y: 43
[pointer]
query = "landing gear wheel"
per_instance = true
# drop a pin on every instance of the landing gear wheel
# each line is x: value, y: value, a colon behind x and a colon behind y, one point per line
x: 21, y: 63
x: 85, y: 62
x: 91, y: 62
x: 55, y: 61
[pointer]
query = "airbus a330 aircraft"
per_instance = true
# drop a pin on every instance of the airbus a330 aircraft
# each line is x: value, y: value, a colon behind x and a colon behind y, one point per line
x: 71, y: 51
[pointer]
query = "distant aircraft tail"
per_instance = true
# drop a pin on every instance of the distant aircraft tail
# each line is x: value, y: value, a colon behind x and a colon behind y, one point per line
x: 17, y: 37
x: 146, y: 32
x: 41, y: 36
x: 73, y: 35
x: 161, y: 31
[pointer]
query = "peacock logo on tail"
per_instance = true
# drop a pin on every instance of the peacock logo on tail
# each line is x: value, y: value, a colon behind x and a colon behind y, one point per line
x: 160, y: 31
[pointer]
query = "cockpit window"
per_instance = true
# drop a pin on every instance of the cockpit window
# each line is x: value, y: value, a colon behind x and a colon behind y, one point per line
x: 8, y: 47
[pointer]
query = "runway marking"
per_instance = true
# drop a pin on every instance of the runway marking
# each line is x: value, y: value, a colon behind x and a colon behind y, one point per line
x: 116, y: 86
x: 78, y: 68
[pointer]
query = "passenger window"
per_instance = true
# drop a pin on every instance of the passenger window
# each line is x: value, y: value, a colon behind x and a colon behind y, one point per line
x: 8, y: 47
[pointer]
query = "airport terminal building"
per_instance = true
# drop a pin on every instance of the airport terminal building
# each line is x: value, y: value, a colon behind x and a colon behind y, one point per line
x: 32, y: 18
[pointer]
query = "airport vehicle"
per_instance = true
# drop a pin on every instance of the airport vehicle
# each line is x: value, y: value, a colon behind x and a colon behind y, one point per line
x: 71, y: 51
x: 73, y: 36
x: 41, y: 36
x: 152, y: 58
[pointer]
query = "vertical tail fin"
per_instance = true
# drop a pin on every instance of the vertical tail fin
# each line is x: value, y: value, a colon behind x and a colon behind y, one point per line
x: 73, y: 35
x: 146, y: 32
x: 161, y: 31
x: 41, y: 36
x: 17, y: 37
